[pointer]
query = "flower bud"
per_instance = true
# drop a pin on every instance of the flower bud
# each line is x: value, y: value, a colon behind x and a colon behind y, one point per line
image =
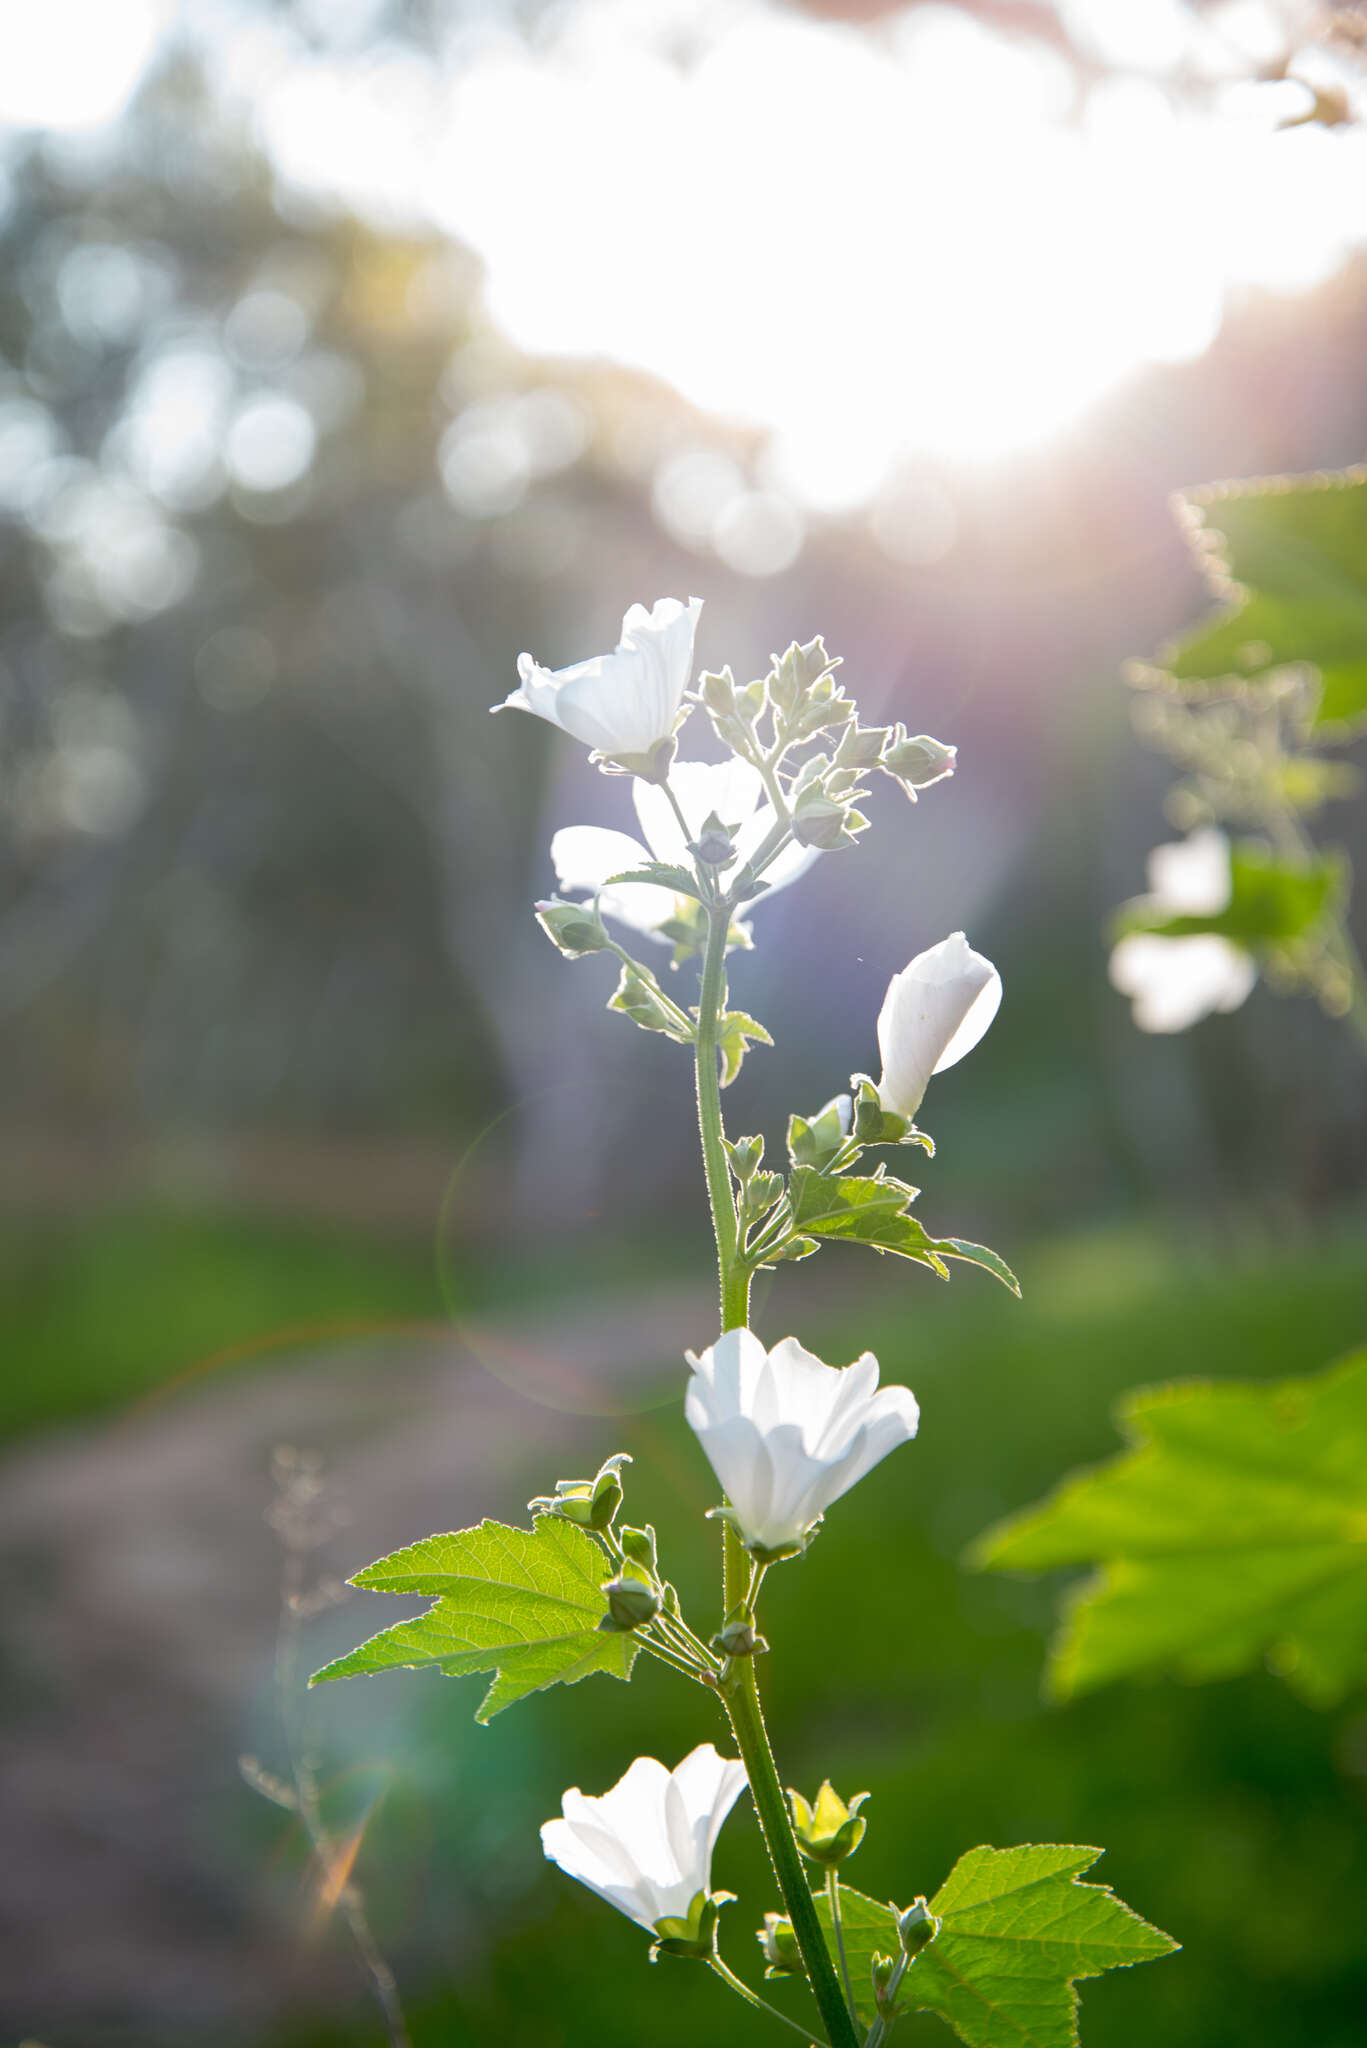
x: 862, y: 745
x: 575, y: 928
x: 632, y: 1602
x: 820, y: 821
x: 737, y: 1637
x: 883, y: 1970
x: 639, y: 1546
x: 588, y: 1503
x: 795, y: 674
x: 917, y: 1927
x: 917, y: 763
x: 814, y: 1141
x: 779, y: 1944
x: 830, y: 1830
x: 715, y: 844
x: 745, y: 1155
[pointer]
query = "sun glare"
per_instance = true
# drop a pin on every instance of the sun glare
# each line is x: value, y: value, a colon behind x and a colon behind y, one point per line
x: 872, y: 245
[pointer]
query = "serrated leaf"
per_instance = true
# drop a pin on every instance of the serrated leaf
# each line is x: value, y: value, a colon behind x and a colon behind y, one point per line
x: 661, y: 875
x: 872, y: 1209
x: 522, y: 1603
x: 1271, y: 900
x: 1017, y: 1932
x: 1287, y: 557
x: 734, y: 1030
x: 1233, y: 1530
x: 638, y: 995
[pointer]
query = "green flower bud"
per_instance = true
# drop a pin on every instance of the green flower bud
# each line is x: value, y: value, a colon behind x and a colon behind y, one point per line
x: 820, y: 821
x: 917, y: 763
x: 718, y: 691
x: 632, y: 1601
x: 828, y: 1831
x: 575, y: 928
x: 882, y: 1975
x: 861, y: 745
x: 737, y: 1636
x: 779, y: 1944
x: 714, y: 845
x: 745, y: 1155
x: 917, y: 1927
x: 639, y: 1546
x: 588, y: 1503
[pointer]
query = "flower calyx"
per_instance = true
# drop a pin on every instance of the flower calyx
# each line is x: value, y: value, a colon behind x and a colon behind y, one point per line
x: 764, y: 1553
x: 829, y: 1829
x: 715, y: 845
x: 802, y: 688
x: 588, y: 1503
x: 778, y: 1944
x: 692, y: 1935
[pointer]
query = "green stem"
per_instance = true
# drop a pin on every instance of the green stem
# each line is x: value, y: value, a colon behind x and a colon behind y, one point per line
x: 833, y: 1894
x: 734, y: 1302
x: 760, y: 2004
x: 741, y: 1699
x: 683, y: 823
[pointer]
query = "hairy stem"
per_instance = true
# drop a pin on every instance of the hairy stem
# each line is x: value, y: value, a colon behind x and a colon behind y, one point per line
x: 741, y: 1698
x: 740, y: 1693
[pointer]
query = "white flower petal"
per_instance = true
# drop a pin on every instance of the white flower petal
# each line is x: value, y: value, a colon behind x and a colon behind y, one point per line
x: 646, y: 1845
x: 1173, y: 983
x: 622, y: 703
x: 1190, y: 877
x: 787, y: 1434
x: 934, y: 1012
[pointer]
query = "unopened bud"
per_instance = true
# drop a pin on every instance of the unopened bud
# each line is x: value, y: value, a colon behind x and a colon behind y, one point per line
x: 917, y: 1927
x: 918, y: 762
x: 639, y: 1546
x: 820, y: 821
x: 779, y: 1944
x: 632, y: 1602
x: 715, y: 844
x: 575, y: 928
x: 737, y: 1637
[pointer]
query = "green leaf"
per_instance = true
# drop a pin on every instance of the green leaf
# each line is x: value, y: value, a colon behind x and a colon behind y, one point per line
x: 522, y: 1603
x: 733, y: 1029
x: 872, y: 1209
x: 638, y: 995
x: 1234, y: 1529
x: 1271, y: 900
x: 1017, y: 1931
x: 661, y: 876
x: 1287, y: 558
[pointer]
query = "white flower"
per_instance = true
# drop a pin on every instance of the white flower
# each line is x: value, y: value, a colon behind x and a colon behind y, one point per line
x: 1174, y: 982
x: 585, y: 855
x: 625, y: 703
x: 787, y: 1435
x: 646, y: 1846
x: 934, y: 1012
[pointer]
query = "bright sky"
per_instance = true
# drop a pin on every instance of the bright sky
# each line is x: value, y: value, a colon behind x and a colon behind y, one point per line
x: 871, y: 244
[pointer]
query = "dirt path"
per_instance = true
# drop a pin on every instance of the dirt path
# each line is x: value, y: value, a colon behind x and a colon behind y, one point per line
x: 140, y: 1597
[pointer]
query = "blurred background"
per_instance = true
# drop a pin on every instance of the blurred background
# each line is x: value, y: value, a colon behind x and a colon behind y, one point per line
x: 347, y: 348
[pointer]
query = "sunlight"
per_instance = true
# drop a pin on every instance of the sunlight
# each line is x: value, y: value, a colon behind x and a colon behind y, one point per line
x: 71, y: 64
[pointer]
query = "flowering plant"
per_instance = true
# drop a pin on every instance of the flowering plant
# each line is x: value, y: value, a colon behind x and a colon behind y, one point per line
x: 995, y: 1952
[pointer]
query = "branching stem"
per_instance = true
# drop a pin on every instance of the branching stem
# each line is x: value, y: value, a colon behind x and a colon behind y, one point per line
x: 730, y: 1978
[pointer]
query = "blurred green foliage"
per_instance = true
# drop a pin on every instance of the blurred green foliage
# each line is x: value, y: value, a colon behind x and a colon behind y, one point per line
x: 1232, y: 1813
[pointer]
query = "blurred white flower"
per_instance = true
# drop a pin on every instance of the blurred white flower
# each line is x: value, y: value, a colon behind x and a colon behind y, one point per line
x: 1174, y: 982
x: 586, y: 855
x: 787, y: 1435
x: 934, y: 1012
x: 646, y: 1846
x: 623, y: 704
